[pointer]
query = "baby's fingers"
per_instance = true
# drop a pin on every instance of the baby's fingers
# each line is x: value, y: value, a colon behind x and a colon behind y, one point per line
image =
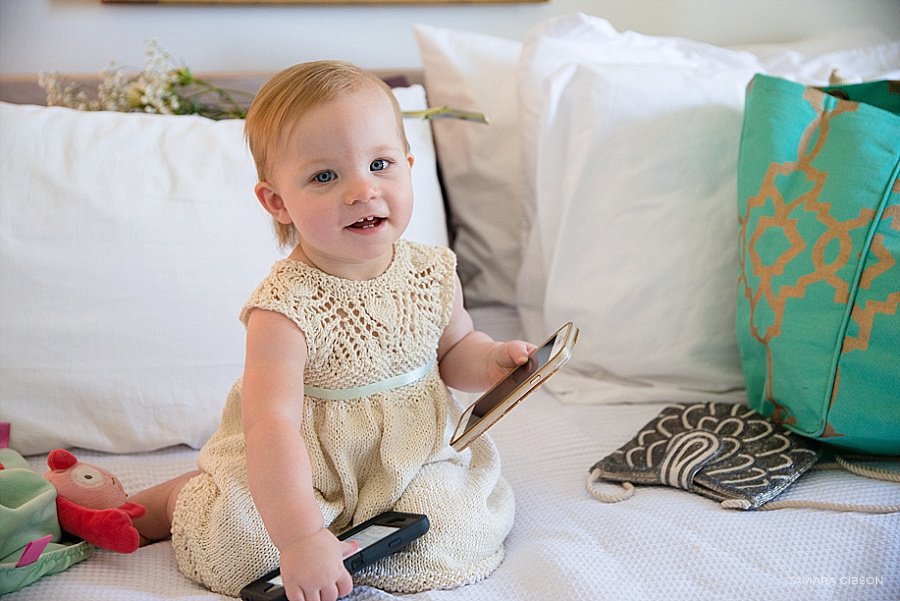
x: 344, y: 584
x: 518, y: 351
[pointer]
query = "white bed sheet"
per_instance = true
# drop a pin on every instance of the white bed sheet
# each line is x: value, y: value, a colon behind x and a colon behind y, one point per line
x: 663, y: 544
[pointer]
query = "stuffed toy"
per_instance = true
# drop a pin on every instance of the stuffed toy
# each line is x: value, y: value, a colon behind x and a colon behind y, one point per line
x: 31, y: 543
x: 91, y: 503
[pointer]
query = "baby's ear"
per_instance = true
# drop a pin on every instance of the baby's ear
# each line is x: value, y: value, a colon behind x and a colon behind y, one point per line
x: 272, y: 202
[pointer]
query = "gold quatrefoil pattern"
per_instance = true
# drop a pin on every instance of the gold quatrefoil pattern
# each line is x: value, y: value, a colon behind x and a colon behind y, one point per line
x: 819, y: 240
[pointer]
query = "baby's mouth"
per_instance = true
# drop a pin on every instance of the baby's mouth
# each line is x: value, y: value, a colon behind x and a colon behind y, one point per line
x: 366, y: 223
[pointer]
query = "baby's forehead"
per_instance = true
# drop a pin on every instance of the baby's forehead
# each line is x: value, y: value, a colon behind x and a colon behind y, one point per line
x: 371, y: 100
x: 365, y: 93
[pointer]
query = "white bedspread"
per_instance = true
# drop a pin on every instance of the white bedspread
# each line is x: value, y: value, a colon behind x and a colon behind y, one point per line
x: 663, y: 544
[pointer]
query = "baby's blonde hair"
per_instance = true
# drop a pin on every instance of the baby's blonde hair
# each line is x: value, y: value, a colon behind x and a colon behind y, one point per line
x: 289, y: 95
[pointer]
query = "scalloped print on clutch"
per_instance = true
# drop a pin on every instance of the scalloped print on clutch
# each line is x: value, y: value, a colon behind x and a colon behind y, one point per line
x: 723, y: 451
x: 727, y: 452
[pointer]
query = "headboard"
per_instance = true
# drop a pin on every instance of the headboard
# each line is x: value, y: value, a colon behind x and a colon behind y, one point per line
x: 24, y: 88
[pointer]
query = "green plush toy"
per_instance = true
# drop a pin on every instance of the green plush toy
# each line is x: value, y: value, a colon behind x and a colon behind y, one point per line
x: 31, y: 544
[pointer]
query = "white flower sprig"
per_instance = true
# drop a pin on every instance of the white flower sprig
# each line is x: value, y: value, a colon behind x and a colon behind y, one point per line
x: 163, y: 87
x: 167, y: 88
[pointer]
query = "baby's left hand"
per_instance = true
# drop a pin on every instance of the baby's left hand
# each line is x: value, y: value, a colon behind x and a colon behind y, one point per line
x: 507, y: 355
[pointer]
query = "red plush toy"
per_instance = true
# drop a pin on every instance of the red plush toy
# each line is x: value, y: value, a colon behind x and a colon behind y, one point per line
x: 91, y: 503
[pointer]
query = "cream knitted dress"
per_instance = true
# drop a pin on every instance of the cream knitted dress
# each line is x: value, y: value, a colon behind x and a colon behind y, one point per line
x: 369, y: 454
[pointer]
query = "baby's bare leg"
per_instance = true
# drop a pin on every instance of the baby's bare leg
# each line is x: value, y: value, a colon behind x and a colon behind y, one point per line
x: 160, y: 503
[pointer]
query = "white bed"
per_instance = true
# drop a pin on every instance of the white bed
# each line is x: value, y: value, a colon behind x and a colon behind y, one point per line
x: 662, y: 544
x: 644, y: 264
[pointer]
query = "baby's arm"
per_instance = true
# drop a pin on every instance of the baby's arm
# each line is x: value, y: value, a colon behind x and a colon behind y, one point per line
x: 278, y: 467
x: 470, y: 360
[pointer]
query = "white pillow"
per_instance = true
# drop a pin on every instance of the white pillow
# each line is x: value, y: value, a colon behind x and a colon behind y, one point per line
x: 858, y: 54
x: 128, y: 244
x: 630, y: 142
x: 429, y: 220
x: 479, y: 163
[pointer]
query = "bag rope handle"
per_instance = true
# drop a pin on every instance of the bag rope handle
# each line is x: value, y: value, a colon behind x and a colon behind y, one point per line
x: 591, y: 484
x: 847, y: 507
x: 876, y: 473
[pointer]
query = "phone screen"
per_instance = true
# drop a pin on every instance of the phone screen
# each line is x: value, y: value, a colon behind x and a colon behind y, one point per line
x: 372, y: 535
x: 518, y: 376
x: 366, y: 538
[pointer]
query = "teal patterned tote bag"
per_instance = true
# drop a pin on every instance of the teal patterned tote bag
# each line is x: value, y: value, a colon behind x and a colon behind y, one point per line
x: 819, y: 202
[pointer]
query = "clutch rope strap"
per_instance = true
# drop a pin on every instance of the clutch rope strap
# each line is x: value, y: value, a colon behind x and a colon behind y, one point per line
x: 841, y: 462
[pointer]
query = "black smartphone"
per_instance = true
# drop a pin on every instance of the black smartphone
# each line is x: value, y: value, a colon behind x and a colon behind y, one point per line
x: 378, y: 537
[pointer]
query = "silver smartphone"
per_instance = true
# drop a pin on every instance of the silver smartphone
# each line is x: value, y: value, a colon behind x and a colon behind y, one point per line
x: 515, y: 386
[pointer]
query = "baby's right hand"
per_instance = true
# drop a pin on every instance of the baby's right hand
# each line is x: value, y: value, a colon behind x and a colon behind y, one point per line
x: 312, y: 568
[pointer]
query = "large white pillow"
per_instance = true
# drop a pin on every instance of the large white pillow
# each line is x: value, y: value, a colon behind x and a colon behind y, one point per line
x: 479, y: 163
x: 630, y: 147
x: 128, y: 244
x: 481, y: 168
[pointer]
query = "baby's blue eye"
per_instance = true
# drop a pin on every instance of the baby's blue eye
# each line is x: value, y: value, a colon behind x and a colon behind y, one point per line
x: 378, y: 165
x: 325, y: 177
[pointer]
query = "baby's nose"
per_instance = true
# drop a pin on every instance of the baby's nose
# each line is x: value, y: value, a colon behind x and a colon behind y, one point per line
x: 363, y: 189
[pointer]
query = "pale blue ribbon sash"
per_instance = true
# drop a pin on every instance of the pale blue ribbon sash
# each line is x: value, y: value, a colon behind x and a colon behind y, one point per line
x: 344, y: 394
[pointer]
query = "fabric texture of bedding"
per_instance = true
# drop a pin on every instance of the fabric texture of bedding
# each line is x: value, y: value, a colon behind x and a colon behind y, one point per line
x: 661, y: 544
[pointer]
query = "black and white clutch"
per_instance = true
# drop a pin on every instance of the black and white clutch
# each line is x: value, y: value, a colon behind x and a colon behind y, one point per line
x: 727, y: 452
